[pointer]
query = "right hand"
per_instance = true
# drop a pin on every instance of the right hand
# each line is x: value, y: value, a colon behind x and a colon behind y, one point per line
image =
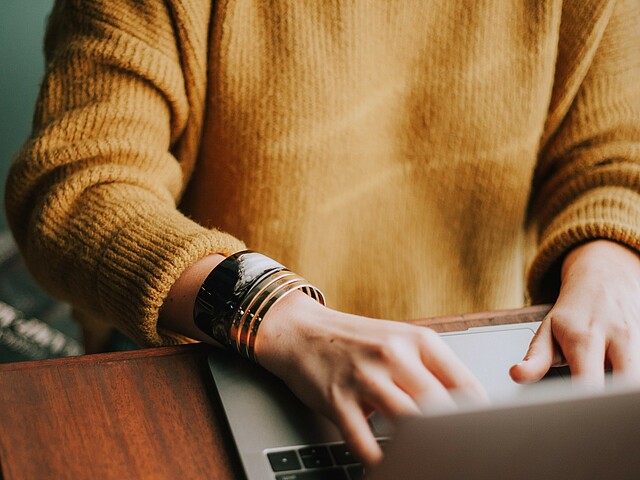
x: 347, y: 367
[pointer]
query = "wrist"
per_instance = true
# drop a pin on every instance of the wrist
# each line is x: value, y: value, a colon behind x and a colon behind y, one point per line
x: 291, y: 320
x: 237, y: 295
x: 597, y: 255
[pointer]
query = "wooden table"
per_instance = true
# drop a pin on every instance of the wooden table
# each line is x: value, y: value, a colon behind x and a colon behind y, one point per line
x: 141, y: 414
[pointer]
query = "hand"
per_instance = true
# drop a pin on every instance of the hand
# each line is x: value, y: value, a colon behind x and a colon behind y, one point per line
x: 346, y: 366
x: 595, y: 323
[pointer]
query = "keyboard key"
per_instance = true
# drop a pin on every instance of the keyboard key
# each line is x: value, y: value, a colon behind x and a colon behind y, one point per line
x: 356, y: 472
x: 315, y: 457
x: 342, y: 455
x: 320, y: 474
x: 283, y: 461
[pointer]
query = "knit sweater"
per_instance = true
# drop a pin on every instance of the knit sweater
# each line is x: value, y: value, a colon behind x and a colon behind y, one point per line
x: 409, y: 158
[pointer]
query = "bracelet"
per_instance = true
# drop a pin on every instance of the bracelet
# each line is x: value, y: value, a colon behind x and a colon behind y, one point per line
x: 238, y: 293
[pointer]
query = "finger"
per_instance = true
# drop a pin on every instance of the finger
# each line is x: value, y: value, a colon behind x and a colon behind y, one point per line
x: 585, y: 354
x: 387, y: 397
x: 624, y: 357
x: 357, y: 433
x: 449, y: 370
x: 422, y: 386
x: 539, y: 357
x: 410, y: 374
x: 425, y: 389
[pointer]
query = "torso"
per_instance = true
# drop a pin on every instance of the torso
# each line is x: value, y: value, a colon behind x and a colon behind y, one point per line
x: 384, y: 150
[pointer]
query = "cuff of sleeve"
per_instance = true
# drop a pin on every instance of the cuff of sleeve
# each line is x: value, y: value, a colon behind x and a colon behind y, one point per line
x: 143, y: 262
x: 611, y: 213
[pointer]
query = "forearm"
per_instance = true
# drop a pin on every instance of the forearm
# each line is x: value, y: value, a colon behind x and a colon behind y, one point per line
x: 91, y: 199
x: 586, y: 184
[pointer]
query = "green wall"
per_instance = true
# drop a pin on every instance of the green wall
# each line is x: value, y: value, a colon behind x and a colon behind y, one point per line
x: 22, y: 24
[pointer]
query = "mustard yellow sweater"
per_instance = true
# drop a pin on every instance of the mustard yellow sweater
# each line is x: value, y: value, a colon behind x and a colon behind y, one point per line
x: 410, y: 158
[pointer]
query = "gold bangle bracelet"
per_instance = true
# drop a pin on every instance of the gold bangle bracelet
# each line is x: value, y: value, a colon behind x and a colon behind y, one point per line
x: 254, y: 298
x: 279, y: 295
x: 238, y: 293
x: 274, y: 293
x: 246, y: 304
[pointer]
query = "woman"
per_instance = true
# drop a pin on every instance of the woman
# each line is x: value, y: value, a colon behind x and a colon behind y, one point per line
x: 407, y: 158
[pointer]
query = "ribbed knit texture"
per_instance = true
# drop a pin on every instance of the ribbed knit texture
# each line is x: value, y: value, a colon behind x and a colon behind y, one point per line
x: 409, y: 158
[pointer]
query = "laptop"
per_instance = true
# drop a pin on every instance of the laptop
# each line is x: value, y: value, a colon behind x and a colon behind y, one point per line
x: 552, y: 432
x: 279, y: 438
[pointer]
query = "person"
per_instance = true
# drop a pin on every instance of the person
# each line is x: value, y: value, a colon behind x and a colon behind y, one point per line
x: 408, y: 158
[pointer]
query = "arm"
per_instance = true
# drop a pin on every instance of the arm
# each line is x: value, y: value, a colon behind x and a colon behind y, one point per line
x: 343, y: 366
x: 91, y: 199
x: 588, y: 204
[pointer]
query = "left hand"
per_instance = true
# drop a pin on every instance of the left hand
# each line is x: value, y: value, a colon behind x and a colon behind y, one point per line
x: 595, y: 322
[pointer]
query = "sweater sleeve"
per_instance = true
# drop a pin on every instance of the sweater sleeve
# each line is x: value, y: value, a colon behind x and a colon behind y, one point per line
x: 91, y: 198
x: 587, y: 183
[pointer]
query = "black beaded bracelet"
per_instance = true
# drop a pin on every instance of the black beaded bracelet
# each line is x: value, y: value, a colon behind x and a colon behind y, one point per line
x: 237, y: 294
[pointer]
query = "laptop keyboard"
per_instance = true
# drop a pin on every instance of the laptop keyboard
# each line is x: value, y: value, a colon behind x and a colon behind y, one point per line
x: 316, y: 462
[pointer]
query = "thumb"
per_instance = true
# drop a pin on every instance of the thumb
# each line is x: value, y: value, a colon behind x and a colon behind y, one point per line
x: 539, y: 357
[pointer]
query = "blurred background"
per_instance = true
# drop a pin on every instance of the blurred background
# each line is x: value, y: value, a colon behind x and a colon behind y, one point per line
x: 32, y: 324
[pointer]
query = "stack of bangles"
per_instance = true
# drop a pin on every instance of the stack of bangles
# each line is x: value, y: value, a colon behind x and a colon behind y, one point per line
x: 238, y: 293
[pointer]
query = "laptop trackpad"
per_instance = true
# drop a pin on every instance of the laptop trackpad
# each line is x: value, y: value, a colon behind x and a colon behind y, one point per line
x: 489, y: 352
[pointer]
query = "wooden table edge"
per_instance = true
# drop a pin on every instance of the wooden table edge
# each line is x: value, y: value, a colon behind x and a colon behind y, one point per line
x: 440, y: 324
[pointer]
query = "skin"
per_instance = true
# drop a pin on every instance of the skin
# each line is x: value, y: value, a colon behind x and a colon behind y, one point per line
x: 346, y: 366
x: 595, y: 322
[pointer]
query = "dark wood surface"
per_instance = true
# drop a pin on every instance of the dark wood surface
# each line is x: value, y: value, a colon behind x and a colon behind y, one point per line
x: 143, y: 414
